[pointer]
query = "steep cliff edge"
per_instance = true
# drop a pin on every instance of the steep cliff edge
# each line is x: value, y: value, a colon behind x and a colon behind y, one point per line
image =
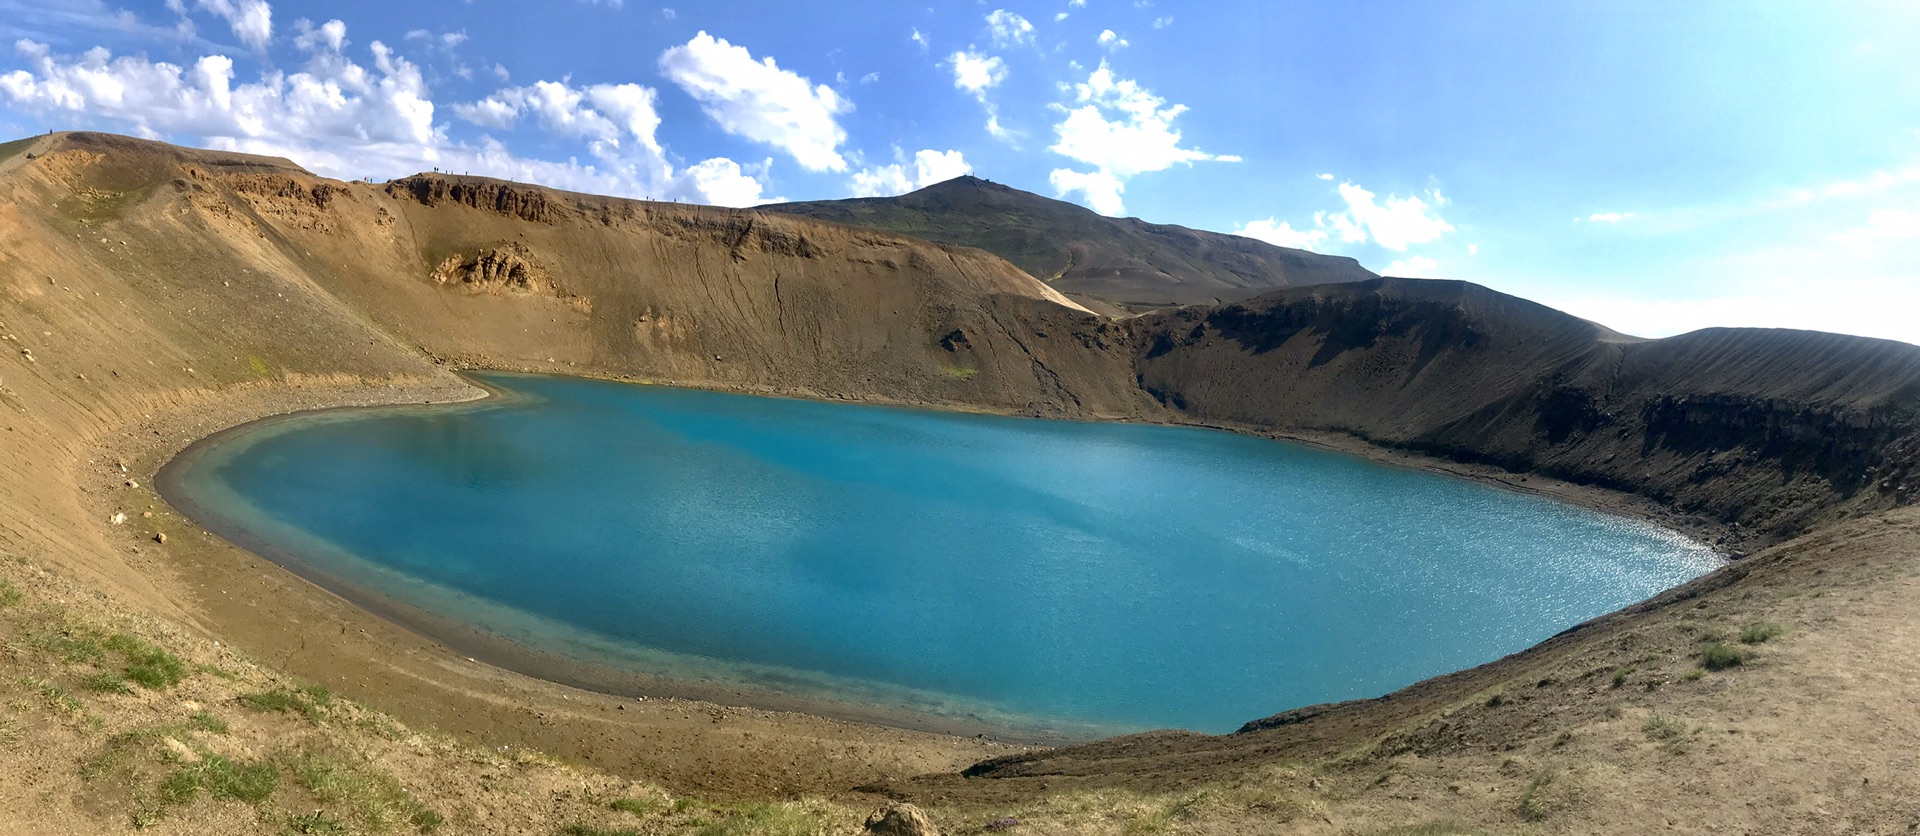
x: 1771, y: 431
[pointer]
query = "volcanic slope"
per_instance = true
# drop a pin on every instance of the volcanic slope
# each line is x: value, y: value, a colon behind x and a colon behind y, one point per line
x: 152, y: 295
x: 1769, y: 431
x: 1125, y: 262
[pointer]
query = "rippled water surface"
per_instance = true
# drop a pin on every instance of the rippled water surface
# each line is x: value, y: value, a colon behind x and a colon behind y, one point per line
x: 1061, y: 575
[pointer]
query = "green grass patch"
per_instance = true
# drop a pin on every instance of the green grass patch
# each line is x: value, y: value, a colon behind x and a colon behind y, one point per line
x: 765, y: 820
x: 1761, y: 632
x: 202, y: 721
x: 1719, y: 656
x: 251, y: 782
x: 9, y: 594
x: 637, y: 806
x: 1437, y: 828
x: 310, y: 702
x: 148, y: 665
x: 361, y: 794
x: 317, y: 823
x: 73, y: 645
x: 9, y: 150
x: 105, y: 682
x: 1620, y: 676
x: 961, y: 372
x: 1669, y: 731
x: 1533, y: 805
x: 56, y: 696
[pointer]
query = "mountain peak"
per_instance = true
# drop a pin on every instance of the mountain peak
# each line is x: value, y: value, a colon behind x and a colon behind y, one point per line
x: 1127, y: 262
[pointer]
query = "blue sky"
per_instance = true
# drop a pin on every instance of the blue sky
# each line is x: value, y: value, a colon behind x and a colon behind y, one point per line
x: 1657, y: 167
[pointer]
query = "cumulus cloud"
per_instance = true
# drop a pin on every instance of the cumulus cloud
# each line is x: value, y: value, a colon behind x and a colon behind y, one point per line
x: 327, y: 37
x: 1394, y: 223
x: 722, y: 182
x: 1282, y: 234
x: 619, y: 123
x: 927, y: 168
x: 918, y: 37
x: 1100, y: 189
x: 1009, y: 29
x: 251, y: 20
x: 346, y: 119
x: 1414, y: 267
x: 757, y: 100
x: 1120, y: 129
x: 976, y: 73
x: 1110, y: 41
x: 334, y: 98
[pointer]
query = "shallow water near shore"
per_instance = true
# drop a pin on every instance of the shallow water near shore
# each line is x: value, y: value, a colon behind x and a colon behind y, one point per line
x: 1076, y: 578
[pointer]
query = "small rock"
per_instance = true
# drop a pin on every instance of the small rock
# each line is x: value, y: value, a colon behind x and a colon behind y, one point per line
x: 132, y: 484
x: 146, y: 515
x: 160, y: 538
x: 182, y: 751
x: 118, y: 519
x: 901, y: 820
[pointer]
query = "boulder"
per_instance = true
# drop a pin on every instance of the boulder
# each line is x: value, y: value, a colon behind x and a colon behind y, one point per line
x: 901, y: 820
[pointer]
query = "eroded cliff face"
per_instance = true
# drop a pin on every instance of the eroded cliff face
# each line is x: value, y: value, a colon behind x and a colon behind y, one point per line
x: 1772, y: 431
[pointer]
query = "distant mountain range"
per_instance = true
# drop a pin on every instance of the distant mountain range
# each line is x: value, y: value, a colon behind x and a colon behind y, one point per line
x: 1126, y: 262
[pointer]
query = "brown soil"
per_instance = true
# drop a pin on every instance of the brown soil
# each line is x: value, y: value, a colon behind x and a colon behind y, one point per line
x: 151, y: 296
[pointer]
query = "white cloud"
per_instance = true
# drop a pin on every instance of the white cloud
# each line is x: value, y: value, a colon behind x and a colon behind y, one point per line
x: 1059, y: 16
x: 722, y: 182
x: 333, y: 99
x: 1162, y: 22
x: 918, y: 37
x: 1282, y: 234
x: 759, y: 101
x: 1101, y: 189
x: 1893, y: 223
x: 347, y: 120
x: 668, y: 14
x: 976, y: 73
x: 1324, y: 176
x: 927, y: 168
x: 1009, y: 29
x: 619, y: 123
x: 251, y: 20
x: 1608, y: 217
x: 1110, y: 40
x: 1414, y: 267
x: 1139, y: 138
x: 1394, y: 223
x: 330, y: 36
x: 1076, y: 4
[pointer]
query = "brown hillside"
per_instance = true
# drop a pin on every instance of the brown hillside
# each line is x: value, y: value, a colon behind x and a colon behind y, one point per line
x: 1122, y: 261
x: 1771, y: 431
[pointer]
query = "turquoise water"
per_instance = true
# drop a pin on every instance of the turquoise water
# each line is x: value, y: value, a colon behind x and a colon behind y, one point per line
x: 1067, y: 575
